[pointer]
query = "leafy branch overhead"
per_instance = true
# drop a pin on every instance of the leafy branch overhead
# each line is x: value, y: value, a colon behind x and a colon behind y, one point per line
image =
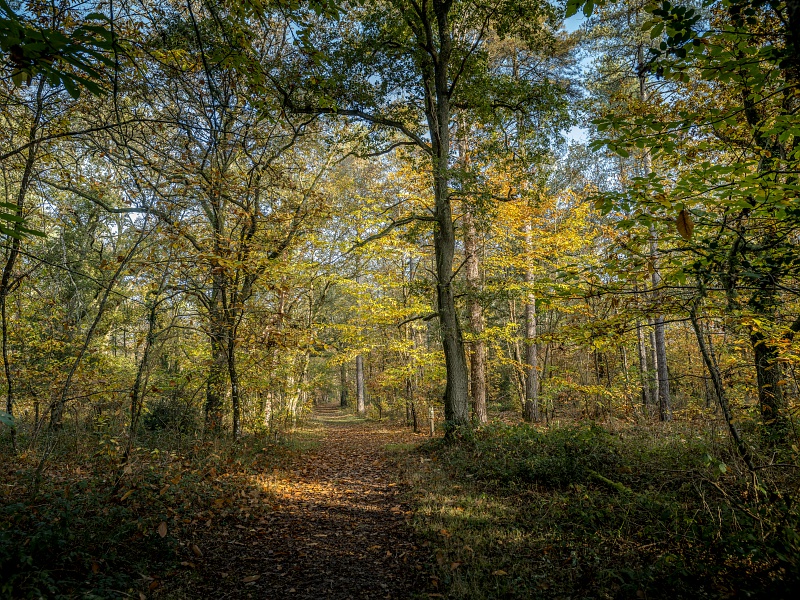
x: 73, y: 56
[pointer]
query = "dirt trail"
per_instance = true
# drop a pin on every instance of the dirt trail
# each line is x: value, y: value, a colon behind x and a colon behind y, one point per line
x: 337, y: 530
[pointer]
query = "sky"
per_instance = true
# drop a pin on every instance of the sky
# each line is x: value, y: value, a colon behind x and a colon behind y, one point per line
x: 575, y: 133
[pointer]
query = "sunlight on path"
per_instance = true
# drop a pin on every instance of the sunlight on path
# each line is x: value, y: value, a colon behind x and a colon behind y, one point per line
x: 338, y: 529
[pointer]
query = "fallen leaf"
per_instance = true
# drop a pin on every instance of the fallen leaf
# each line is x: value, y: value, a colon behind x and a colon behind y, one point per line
x: 251, y: 578
x: 499, y: 572
x: 126, y: 495
x: 162, y: 529
x: 454, y: 565
x: 95, y: 568
x: 186, y: 563
x: 196, y: 550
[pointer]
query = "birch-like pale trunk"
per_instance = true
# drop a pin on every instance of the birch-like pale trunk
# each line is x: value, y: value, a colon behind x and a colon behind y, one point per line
x: 531, y: 406
x: 475, y: 312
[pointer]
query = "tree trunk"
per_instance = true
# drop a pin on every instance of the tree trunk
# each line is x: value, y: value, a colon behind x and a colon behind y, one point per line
x: 437, y: 111
x: 343, y: 400
x: 475, y: 311
x: 770, y: 391
x: 643, y: 375
x: 215, y: 385
x: 531, y: 407
x: 659, y: 341
x: 361, y: 406
x: 664, y: 400
x: 6, y: 284
x: 266, y: 413
x: 716, y: 379
x: 233, y: 376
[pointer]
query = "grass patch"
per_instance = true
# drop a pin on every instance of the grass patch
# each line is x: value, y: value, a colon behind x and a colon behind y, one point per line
x: 514, y: 512
x: 400, y: 447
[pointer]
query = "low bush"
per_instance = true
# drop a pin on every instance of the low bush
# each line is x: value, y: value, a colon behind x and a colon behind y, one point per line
x: 74, y: 545
x: 169, y: 415
x: 519, y: 512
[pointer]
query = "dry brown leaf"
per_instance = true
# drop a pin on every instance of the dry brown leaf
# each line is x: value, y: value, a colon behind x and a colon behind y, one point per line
x: 499, y: 572
x: 685, y: 224
x: 186, y: 563
x: 196, y: 550
x: 126, y: 495
x: 162, y: 529
x: 251, y: 578
x: 95, y: 568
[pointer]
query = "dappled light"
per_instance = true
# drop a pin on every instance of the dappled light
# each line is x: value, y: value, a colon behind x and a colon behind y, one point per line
x: 399, y: 299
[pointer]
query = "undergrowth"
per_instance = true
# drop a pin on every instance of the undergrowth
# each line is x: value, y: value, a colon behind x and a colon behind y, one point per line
x: 77, y: 535
x: 580, y: 512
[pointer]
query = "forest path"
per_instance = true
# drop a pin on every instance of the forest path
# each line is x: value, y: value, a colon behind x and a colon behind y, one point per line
x: 337, y: 528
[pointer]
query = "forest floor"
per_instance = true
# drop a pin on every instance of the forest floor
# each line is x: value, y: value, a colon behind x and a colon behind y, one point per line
x: 336, y: 525
x: 348, y: 508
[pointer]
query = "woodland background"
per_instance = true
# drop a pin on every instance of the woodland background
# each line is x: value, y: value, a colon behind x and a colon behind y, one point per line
x: 219, y: 214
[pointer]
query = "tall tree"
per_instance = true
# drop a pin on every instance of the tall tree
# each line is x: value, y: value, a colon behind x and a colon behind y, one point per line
x: 407, y: 63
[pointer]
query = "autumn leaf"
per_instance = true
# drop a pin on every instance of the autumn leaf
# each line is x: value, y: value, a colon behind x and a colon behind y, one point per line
x: 685, y: 224
x: 251, y: 578
x: 196, y: 550
x: 162, y: 529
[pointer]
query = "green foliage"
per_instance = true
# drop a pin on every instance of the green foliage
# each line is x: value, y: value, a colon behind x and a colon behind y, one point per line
x: 70, y: 58
x: 516, y: 512
x: 167, y: 414
x: 74, y: 544
x: 521, y: 455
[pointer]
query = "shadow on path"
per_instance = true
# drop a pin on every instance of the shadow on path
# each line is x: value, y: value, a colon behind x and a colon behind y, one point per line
x: 337, y: 529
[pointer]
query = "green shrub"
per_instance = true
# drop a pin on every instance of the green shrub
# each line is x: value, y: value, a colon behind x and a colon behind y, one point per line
x: 627, y: 514
x: 520, y: 454
x: 166, y: 414
x: 76, y: 547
